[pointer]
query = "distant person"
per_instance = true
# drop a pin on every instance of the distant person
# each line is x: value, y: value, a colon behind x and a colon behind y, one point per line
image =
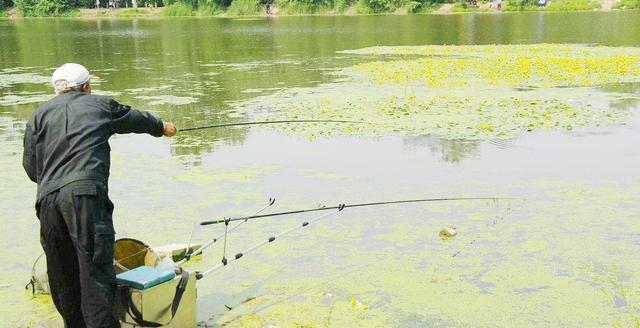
x: 97, y: 4
x: 542, y: 3
x: 67, y: 153
x: 267, y: 8
x: 499, y: 6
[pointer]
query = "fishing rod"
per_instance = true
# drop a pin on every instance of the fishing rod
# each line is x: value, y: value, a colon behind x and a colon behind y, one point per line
x: 237, y: 256
x: 212, y: 126
x: 343, y: 206
x: 336, y: 209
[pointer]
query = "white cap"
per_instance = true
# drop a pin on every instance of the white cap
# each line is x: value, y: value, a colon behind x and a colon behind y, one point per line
x: 69, y: 75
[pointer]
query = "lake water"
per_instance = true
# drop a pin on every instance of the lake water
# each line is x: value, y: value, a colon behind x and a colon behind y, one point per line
x: 561, y: 252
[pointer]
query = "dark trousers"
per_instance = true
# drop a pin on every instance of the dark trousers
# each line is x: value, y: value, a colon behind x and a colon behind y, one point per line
x: 77, y: 235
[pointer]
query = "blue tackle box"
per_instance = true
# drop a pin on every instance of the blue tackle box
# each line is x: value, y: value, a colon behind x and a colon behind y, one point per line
x: 144, y: 277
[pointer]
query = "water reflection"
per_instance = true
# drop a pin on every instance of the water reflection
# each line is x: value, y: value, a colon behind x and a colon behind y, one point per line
x: 630, y: 87
x: 451, y: 151
x: 191, y: 71
x: 11, y: 131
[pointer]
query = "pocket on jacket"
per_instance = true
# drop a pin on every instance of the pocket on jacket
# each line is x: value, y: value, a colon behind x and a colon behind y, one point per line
x: 103, y: 242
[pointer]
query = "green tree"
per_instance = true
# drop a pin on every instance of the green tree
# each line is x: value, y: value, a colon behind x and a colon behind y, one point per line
x: 6, y: 4
x: 43, y: 7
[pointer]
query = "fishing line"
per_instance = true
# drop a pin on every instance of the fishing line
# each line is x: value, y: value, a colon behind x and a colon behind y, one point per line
x: 223, y: 125
x: 497, y: 218
x: 122, y: 267
x: 225, y: 261
x: 347, y: 206
x: 193, y: 229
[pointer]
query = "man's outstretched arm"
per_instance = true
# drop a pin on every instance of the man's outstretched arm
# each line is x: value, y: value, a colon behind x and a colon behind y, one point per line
x: 124, y: 119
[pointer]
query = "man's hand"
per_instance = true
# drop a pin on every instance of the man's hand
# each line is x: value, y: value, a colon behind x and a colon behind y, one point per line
x: 169, y: 129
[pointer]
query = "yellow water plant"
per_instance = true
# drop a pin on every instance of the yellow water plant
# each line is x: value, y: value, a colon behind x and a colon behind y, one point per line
x: 464, y: 92
x: 539, y: 65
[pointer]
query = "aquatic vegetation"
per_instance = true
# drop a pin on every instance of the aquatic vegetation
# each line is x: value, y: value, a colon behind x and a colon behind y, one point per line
x: 259, y: 90
x: 357, y: 304
x: 167, y: 100
x: 463, y: 92
x: 245, y: 66
x: 541, y: 65
x: 9, y: 79
x: 28, y: 98
x: 446, y: 113
x: 155, y: 89
x: 105, y: 93
x: 584, y: 281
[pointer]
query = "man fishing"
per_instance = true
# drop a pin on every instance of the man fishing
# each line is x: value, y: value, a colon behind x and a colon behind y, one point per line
x: 66, y: 152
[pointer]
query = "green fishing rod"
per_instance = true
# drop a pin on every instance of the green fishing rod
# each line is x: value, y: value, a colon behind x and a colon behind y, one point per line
x: 224, y: 125
x: 343, y: 206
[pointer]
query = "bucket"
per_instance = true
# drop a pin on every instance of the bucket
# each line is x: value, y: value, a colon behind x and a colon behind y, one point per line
x: 131, y: 253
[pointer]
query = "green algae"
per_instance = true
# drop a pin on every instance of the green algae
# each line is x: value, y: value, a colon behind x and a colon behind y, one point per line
x: 24, y: 98
x: 154, y: 89
x: 11, y: 78
x: 477, y: 92
x: 167, y: 100
x: 561, y: 259
x: 497, y: 281
x: 20, y: 253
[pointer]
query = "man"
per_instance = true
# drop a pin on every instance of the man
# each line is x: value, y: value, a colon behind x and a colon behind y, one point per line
x: 66, y: 151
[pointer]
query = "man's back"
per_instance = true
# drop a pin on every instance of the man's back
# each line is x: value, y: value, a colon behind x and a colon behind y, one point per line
x: 66, y: 139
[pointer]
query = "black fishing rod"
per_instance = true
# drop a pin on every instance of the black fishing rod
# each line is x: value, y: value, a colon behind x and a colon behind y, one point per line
x: 224, y: 125
x: 343, y: 206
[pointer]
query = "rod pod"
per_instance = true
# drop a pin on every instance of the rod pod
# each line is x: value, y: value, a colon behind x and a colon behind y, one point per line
x: 225, y: 261
x: 188, y: 257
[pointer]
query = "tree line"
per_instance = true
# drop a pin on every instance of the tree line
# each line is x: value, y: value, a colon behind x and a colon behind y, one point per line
x: 65, y: 7
x: 34, y: 8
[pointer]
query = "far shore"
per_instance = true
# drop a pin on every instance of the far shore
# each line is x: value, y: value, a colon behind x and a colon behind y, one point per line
x: 442, y: 9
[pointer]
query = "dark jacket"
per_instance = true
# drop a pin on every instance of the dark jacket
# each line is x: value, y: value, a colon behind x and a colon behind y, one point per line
x: 67, y: 138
